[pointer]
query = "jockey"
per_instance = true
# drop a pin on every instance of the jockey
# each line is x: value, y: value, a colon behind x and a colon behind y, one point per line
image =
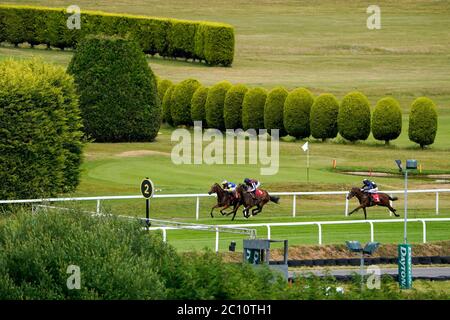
x: 370, y: 187
x: 252, y: 185
x: 229, y: 187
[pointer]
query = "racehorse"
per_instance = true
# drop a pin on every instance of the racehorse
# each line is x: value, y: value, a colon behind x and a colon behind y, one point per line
x: 224, y: 200
x: 365, y: 201
x: 249, y: 201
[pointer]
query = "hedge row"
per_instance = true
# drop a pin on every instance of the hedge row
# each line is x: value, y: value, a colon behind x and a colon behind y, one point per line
x: 205, y: 41
x: 41, y: 139
x: 300, y: 115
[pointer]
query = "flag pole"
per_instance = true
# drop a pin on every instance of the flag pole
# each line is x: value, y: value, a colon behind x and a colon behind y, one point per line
x: 307, y: 165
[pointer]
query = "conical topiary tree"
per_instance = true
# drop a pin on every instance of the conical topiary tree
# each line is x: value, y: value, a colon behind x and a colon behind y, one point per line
x: 253, y: 109
x: 214, y: 105
x: 273, y: 109
x: 118, y: 94
x: 297, y: 108
x: 387, y: 120
x: 232, y: 109
x: 166, y: 106
x: 198, y: 104
x: 323, y: 117
x: 181, y: 101
x: 163, y: 85
x: 423, y: 122
x: 354, y: 117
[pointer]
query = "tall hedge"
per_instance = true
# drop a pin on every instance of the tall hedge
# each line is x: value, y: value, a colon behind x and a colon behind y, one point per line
x: 167, y: 106
x: 208, y: 41
x: 323, y: 117
x: 198, y: 104
x: 423, y: 122
x: 232, y: 110
x: 214, y: 105
x: 273, y: 109
x: 181, y: 101
x: 253, y: 109
x: 297, y: 109
x: 387, y: 120
x: 354, y: 117
x: 118, y: 94
x: 41, y: 136
x: 163, y: 85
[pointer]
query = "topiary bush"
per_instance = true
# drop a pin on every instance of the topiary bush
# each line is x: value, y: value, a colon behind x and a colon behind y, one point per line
x: 273, y: 109
x: 296, y: 113
x: 163, y: 85
x: 253, y: 109
x: 323, y: 117
x: 181, y: 101
x: 214, y: 105
x: 198, y: 104
x: 118, y: 94
x: 387, y: 120
x: 354, y: 117
x: 167, y: 105
x: 41, y: 136
x: 423, y: 122
x: 232, y: 110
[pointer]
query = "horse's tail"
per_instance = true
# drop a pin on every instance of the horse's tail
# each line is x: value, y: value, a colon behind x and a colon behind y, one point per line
x: 274, y: 199
x: 393, y: 198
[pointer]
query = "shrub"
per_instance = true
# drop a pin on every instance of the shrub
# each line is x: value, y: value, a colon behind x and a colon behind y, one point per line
x: 198, y: 104
x: 387, y: 120
x: 253, y: 109
x: 354, y: 117
x: 181, y: 101
x: 167, y: 105
x: 214, y: 105
x: 423, y: 122
x: 40, y: 130
x: 163, y: 85
x: 297, y: 108
x: 118, y: 95
x: 209, y: 41
x: 323, y: 117
x: 273, y: 109
x: 232, y: 109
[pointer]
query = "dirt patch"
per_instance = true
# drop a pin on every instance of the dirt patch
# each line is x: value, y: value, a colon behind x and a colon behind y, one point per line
x: 142, y: 153
x: 373, y: 174
x: 441, y: 248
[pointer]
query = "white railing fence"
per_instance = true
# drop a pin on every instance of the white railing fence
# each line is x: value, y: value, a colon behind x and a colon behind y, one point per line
x: 201, y: 195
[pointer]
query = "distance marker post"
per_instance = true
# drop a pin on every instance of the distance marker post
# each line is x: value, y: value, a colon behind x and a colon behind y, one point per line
x: 147, y: 189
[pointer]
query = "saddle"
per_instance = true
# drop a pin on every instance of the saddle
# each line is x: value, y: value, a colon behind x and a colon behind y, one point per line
x: 259, y: 193
x: 375, y: 197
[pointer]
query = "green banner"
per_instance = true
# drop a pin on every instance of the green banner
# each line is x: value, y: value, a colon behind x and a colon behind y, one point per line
x: 404, y: 266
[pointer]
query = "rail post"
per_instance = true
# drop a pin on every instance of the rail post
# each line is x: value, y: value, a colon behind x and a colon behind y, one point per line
x: 268, y: 231
x: 294, y: 205
x: 371, y: 231
x: 217, y: 239
x: 164, y: 231
x: 320, y: 232
x: 346, y: 204
x: 424, y: 229
x: 197, y: 209
x: 98, y: 206
x: 437, y: 203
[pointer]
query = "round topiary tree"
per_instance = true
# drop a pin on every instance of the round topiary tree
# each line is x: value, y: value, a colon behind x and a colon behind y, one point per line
x: 387, y: 120
x: 354, y: 117
x: 181, y: 101
x: 323, y: 117
x: 214, y: 105
x: 167, y: 105
x: 297, y: 108
x: 163, y: 85
x: 118, y: 94
x: 41, y: 136
x: 198, y: 104
x: 232, y: 110
x: 273, y: 109
x: 423, y: 122
x: 253, y: 109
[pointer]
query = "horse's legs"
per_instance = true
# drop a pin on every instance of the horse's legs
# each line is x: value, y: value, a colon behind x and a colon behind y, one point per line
x: 392, y: 210
x: 212, y: 209
x: 226, y: 207
x: 235, y: 210
x: 356, y: 209
x: 365, y: 213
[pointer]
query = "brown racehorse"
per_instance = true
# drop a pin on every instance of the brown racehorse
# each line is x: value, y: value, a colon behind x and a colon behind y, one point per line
x: 224, y: 200
x: 365, y: 201
x: 248, y: 201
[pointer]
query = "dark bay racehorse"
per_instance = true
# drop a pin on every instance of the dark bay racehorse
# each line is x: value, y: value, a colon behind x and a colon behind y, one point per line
x: 259, y: 201
x: 365, y: 201
x: 224, y: 201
